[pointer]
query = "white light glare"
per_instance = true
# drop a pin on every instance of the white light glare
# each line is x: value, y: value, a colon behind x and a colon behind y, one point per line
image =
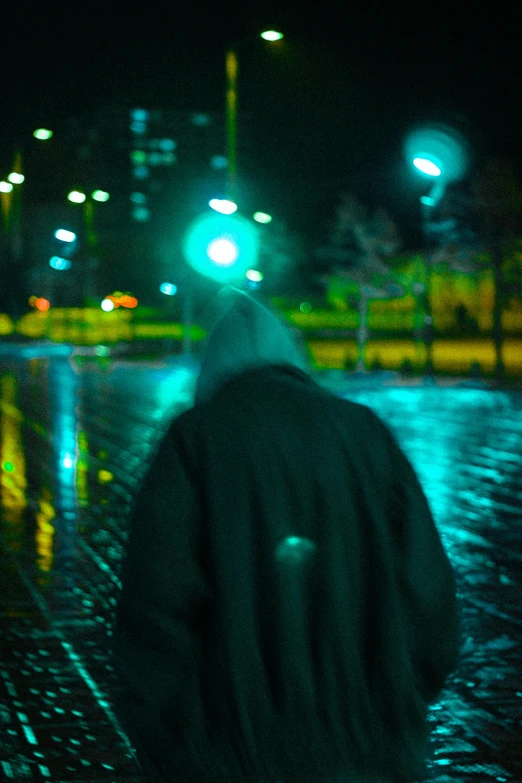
x: 223, y: 205
x: 222, y: 252
x: 65, y: 236
x: 107, y: 305
x: 254, y: 275
x: 427, y: 167
x: 16, y: 178
x: 5, y: 187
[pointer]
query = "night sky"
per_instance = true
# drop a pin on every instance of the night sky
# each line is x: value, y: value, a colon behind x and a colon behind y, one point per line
x: 327, y: 109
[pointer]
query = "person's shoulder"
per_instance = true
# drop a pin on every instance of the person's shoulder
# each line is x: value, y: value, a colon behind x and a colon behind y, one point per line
x: 187, y: 421
x: 366, y: 421
x: 355, y: 409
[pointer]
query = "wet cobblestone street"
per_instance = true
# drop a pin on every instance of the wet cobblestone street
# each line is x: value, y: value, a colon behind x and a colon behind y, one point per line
x: 75, y: 440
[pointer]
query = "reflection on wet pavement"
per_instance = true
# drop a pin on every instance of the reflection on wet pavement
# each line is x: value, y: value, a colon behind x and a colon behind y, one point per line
x: 74, y: 445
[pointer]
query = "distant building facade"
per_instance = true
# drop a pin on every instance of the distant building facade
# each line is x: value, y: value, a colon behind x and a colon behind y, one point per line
x: 159, y: 166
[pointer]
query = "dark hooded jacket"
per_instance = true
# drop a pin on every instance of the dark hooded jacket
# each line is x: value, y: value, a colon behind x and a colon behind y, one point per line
x: 287, y: 609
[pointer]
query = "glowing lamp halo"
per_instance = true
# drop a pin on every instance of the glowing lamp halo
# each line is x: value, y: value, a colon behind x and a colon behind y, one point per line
x: 221, y: 247
x: 439, y: 147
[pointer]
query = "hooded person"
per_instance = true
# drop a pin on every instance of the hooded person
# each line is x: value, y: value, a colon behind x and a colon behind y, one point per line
x: 287, y: 608
x: 245, y: 335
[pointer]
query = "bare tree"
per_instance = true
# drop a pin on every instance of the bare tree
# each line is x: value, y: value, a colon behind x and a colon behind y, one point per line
x: 483, y: 219
x: 281, y: 254
x: 359, y: 244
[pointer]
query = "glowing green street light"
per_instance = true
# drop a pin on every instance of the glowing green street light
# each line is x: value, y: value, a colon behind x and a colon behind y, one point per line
x: 16, y: 178
x: 100, y: 195
x: 5, y: 187
x: 262, y: 217
x: 231, y: 73
x: 76, y: 196
x: 42, y: 134
x: 440, y: 152
x: 271, y: 35
x: 254, y: 275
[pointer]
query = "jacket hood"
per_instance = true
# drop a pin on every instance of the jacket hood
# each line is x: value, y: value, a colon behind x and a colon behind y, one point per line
x: 244, y: 335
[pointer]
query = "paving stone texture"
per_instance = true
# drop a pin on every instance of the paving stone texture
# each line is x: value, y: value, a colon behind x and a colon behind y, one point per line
x: 75, y: 441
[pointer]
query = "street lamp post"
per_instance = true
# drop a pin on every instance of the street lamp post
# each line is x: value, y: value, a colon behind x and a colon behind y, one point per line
x: 187, y: 320
x: 362, y: 329
x: 16, y: 178
x: 439, y: 153
x: 91, y: 240
x: 12, y: 202
x: 170, y: 290
x: 79, y: 197
x: 231, y: 68
x: 231, y: 71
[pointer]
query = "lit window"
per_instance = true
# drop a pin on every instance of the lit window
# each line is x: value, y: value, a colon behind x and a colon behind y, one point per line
x: 167, y: 145
x: 139, y: 115
x: 141, y: 214
x: 200, y: 120
x: 218, y: 162
x: 142, y: 172
x: 138, y: 127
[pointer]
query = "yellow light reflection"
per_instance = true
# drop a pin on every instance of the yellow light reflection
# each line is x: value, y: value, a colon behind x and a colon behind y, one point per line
x: 13, y: 481
x: 44, y: 531
x: 82, y: 470
x: 6, y: 324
